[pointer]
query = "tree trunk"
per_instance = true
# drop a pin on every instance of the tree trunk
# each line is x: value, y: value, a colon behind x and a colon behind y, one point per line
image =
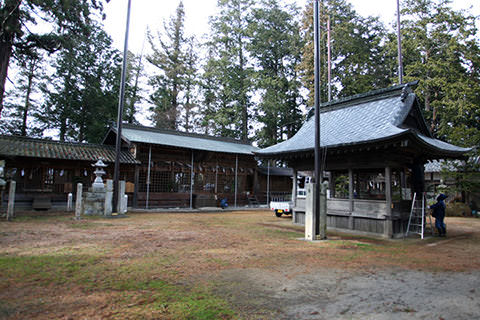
x: 8, y: 29
x: 243, y: 98
x: 33, y: 64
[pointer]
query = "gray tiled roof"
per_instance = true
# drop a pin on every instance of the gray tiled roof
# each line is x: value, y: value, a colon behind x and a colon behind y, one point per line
x: 276, y: 171
x: 15, y: 146
x: 185, y: 140
x: 367, y: 118
x: 438, y: 165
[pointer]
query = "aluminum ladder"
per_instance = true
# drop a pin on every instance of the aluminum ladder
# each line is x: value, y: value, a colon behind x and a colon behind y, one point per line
x: 418, y: 217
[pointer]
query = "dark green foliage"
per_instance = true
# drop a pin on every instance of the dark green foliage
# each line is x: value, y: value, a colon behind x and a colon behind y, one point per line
x: 169, y: 59
x: 357, y: 56
x: 82, y: 97
x: 133, y: 91
x: 20, y: 106
x: 466, y: 175
x: 227, y: 79
x: 275, y: 46
x: 61, y: 16
x: 441, y: 49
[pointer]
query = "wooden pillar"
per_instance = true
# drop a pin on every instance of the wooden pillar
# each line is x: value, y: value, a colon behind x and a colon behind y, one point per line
x: 388, y: 190
x: 216, y: 179
x: 350, y: 198
x: 136, y: 180
x: 236, y: 179
x: 294, y: 188
x: 268, y: 182
x: 148, y: 176
x: 388, y: 227
x: 332, y: 184
x: 191, y: 183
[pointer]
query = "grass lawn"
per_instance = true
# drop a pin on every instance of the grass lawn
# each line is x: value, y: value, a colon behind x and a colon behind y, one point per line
x: 173, y: 266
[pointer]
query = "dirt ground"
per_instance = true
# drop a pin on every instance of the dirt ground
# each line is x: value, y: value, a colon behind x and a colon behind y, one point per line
x: 252, y: 262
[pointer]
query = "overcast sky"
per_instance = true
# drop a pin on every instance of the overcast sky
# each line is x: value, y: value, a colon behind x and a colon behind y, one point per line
x: 152, y: 13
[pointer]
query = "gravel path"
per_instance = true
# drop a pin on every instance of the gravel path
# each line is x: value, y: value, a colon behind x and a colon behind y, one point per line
x: 392, y: 294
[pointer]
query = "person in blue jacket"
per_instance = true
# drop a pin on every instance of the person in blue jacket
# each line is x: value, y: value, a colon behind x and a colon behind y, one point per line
x: 439, y: 215
x: 223, y: 203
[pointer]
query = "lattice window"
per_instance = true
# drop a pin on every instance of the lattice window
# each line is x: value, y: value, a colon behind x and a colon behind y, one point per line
x: 208, y: 182
x: 160, y: 181
x: 182, y: 181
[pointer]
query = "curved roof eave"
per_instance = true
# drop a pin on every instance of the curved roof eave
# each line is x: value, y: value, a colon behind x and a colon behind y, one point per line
x: 444, y: 149
x: 448, y: 150
x: 383, y: 139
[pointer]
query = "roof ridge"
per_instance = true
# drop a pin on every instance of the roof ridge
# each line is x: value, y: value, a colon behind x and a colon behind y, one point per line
x: 372, y: 95
x: 57, y: 142
x: 185, y: 134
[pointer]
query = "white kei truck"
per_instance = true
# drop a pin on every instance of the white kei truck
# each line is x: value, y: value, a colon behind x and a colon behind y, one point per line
x: 286, y: 207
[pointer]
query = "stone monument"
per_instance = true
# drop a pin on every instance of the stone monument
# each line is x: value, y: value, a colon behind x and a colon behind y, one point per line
x: 98, y: 200
x: 94, y: 199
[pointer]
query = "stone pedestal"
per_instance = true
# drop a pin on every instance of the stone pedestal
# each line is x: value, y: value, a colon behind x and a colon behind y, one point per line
x: 94, y: 203
x: 108, y: 198
x: 11, y: 200
x: 69, y: 202
x: 79, y: 202
x: 310, y: 218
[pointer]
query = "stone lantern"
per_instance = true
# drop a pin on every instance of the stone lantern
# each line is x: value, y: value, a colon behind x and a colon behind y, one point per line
x: 99, y: 172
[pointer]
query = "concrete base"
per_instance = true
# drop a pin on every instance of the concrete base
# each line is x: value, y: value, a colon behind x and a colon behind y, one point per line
x: 116, y: 216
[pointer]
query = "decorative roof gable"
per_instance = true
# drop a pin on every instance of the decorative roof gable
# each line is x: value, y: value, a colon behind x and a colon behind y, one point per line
x: 372, y: 117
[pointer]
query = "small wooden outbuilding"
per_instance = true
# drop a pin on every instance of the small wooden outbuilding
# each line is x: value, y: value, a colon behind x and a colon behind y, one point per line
x: 374, y: 146
x: 45, y: 171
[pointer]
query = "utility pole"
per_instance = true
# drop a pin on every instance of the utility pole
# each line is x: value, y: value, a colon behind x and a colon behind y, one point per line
x: 399, y: 45
x: 329, y: 59
x: 318, y: 175
x: 121, y: 103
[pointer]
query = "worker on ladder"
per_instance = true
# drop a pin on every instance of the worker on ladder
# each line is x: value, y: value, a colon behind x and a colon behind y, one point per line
x: 439, y: 215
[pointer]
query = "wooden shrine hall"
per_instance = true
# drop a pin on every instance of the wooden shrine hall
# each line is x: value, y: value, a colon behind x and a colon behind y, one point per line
x: 180, y: 169
x: 375, y: 146
x: 162, y: 169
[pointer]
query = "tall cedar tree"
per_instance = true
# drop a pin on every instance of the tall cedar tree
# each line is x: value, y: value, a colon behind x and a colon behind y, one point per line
x: 17, y: 15
x: 83, y: 96
x: 229, y: 70
x: 276, y: 47
x: 441, y: 49
x: 357, y: 55
x: 210, y: 89
x: 133, y: 90
x: 21, y: 107
x: 169, y: 58
x: 190, y: 108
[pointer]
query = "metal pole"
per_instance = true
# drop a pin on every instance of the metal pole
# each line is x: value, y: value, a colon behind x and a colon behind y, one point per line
x: 399, y: 41
x: 216, y: 178
x: 316, y: 27
x: 236, y: 178
x: 268, y: 182
x: 121, y: 102
x: 329, y: 61
x: 191, y: 183
x: 148, y: 176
